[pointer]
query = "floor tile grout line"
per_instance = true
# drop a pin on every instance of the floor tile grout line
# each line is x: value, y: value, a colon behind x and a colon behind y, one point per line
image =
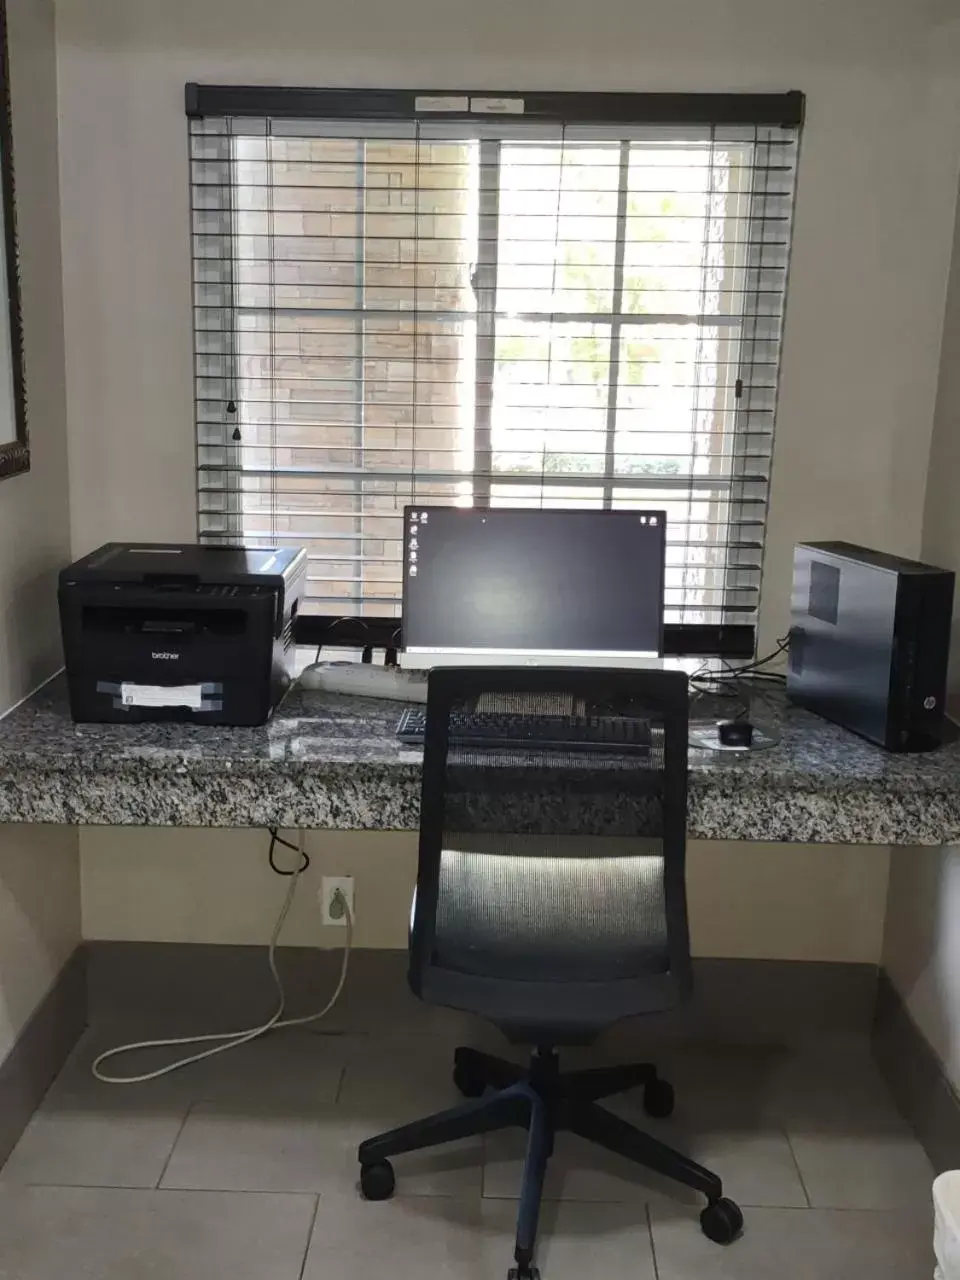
x: 153, y: 1190
x: 553, y: 1200
x: 309, y: 1244
x: 464, y: 1198
x: 166, y: 1163
x: 197, y: 1189
x: 796, y: 1163
x: 628, y: 1203
x: 653, y: 1245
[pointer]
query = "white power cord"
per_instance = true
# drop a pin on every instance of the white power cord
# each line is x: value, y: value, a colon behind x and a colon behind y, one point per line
x: 233, y: 1039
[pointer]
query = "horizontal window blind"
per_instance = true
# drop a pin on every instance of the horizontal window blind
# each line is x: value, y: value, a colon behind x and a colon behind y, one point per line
x: 488, y: 309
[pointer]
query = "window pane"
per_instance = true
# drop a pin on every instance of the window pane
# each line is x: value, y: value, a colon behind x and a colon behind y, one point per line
x: 558, y: 227
x: 698, y: 539
x: 352, y: 352
x: 550, y: 397
x: 676, y: 400
x: 535, y: 495
x: 687, y: 220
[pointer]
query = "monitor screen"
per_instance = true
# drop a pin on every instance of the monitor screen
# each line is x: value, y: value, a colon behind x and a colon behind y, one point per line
x: 516, y: 580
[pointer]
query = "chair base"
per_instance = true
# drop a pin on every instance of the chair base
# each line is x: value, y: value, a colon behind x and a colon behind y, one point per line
x: 544, y: 1100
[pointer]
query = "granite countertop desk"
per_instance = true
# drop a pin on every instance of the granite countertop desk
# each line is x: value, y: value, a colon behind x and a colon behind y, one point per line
x: 333, y: 761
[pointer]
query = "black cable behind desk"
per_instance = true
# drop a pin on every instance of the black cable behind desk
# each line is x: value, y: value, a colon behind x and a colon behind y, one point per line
x: 680, y: 640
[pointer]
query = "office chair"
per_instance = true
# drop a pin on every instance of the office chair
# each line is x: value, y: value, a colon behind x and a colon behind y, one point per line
x: 550, y: 899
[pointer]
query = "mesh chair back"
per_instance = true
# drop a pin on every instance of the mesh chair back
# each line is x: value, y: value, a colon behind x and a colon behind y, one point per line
x: 550, y: 893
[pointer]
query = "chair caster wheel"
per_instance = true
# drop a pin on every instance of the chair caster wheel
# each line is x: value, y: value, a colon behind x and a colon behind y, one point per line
x: 377, y: 1181
x: 658, y: 1098
x: 721, y: 1221
x: 524, y: 1270
x: 467, y: 1084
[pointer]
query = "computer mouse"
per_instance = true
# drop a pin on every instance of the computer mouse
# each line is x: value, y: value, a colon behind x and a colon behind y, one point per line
x: 735, y: 733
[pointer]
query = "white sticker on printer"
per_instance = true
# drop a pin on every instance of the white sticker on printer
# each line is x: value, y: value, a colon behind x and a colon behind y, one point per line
x: 162, y: 695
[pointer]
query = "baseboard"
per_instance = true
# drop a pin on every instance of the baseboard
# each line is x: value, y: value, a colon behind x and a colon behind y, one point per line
x: 788, y: 1002
x: 916, y: 1078
x: 751, y: 1001
x: 41, y: 1050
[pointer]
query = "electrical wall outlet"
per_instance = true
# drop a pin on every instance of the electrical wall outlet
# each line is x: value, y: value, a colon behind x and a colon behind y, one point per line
x: 329, y: 909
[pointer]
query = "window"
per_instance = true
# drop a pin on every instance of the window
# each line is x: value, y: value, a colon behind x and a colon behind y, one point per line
x: 462, y: 307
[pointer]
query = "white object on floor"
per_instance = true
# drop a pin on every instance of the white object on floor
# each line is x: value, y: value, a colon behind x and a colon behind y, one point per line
x: 946, y: 1224
x: 364, y: 680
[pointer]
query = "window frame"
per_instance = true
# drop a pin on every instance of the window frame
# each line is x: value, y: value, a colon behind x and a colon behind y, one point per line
x: 784, y: 110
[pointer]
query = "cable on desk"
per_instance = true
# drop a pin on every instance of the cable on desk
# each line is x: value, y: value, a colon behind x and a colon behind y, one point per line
x: 735, y: 682
x: 335, y: 623
x: 754, y: 670
x: 745, y: 687
x: 225, y: 1040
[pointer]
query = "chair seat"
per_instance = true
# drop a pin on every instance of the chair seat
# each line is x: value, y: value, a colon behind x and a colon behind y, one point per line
x: 533, y: 908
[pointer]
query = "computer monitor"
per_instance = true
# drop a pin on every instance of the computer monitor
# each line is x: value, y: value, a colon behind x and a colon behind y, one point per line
x: 509, y: 585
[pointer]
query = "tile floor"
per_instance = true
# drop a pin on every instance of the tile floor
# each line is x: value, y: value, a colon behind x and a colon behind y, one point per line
x: 245, y: 1167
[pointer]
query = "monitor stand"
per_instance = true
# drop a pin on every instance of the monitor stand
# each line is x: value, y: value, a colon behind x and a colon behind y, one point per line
x: 427, y: 660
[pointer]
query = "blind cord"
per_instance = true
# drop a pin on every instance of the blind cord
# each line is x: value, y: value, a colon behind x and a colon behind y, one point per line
x: 225, y: 1040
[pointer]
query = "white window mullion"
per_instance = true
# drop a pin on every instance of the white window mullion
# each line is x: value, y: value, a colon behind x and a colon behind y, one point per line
x: 485, y: 292
x: 359, y: 355
x: 613, y: 383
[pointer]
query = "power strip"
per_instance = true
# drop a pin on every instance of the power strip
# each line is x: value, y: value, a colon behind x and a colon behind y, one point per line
x: 364, y: 680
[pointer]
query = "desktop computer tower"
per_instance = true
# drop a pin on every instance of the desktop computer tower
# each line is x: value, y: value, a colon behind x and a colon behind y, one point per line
x: 869, y: 642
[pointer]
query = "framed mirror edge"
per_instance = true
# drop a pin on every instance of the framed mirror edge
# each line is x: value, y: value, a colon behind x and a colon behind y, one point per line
x: 14, y: 454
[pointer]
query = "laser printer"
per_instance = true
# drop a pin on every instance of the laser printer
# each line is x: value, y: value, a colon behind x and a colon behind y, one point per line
x: 180, y: 632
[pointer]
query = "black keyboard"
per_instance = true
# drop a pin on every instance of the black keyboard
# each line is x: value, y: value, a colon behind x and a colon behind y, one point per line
x: 500, y: 730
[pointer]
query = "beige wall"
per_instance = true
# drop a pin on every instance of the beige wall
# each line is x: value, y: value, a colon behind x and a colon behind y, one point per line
x: 34, y: 509
x: 941, y: 526
x: 39, y: 918
x: 790, y: 902
x: 877, y: 189
x: 39, y: 882
x: 921, y: 949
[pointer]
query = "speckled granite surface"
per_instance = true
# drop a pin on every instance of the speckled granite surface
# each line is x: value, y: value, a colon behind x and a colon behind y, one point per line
x: 329, y: 761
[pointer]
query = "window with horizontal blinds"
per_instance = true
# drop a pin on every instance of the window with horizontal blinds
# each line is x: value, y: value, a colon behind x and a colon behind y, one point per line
x: 396, y: 303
